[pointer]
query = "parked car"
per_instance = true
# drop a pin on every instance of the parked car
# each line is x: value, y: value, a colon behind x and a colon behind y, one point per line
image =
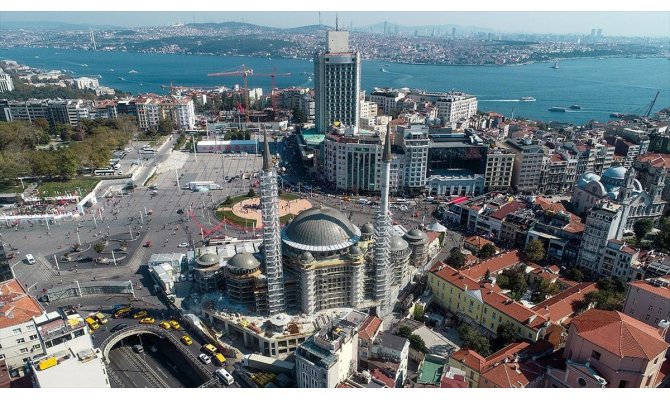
x: 138, y: 348
x: 140, y: 314
x: 164, y: 325
x: 175, y: 325
x: 180, y: 245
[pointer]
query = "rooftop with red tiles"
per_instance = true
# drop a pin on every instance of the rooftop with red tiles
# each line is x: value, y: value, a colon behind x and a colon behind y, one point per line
x: 16, y: 306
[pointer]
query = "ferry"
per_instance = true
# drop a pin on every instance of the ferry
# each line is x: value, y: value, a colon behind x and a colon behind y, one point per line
x: 575, y: 107
x: 383, y: 70
x: 557, y: 109
x: 84, y: 65
x: 527, y: 99
x: 132, y: 71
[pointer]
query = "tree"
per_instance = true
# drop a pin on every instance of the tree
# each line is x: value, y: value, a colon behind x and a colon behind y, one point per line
x: 299, y: 116
x: 474, y: 341
x: 506, y: 334
x: 514, y: 280
x: 487, y: 250
x: 534, y: 251
x: 663, y: 237
x: 165, y: 126
x: 456, y: 259
x: 68, y: 163
x: 575, y: 274
x: 642, y: 227
x: 544, y: 289
x: 418, y: 312
x: 487, y: 275
x: 415, y: 341
x: 251, y: 193
x: 99, y: 247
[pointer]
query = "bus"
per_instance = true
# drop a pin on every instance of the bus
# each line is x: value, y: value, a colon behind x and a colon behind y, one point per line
x: 104, y: 171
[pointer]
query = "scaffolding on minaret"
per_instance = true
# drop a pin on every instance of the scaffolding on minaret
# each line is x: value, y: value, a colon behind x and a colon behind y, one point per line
x: 382, y: 287
x: 271, y: 234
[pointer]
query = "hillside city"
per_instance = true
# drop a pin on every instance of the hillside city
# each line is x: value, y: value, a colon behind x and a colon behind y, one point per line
x: 326, y: 237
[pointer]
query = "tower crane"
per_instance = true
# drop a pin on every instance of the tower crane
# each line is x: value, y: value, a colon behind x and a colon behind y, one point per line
x: 651, y: 106
x: 245, y: 72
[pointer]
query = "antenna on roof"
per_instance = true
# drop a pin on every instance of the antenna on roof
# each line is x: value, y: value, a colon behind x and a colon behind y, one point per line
x: 337, y: 22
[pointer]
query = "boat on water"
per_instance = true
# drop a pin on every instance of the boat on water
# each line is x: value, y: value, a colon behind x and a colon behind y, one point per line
x: 555, y: 66
x: 557, y: 109
x: 575, y: 107
x: 383, y: 70
x: 616, y: 115
x: 98, y: 76
x: 84, y: 65
x: 527, y: 98
x: 122, y: 78
x: 111, y: 69
x: 132, y: 71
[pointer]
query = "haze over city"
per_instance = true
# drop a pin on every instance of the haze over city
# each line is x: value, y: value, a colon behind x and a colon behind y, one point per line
x: 642, y: 23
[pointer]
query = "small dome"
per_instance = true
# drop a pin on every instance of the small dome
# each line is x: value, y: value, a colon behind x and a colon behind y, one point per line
x: 367, y: 229
x: 586, y: 178
x: 416, y: 235
x: 208, y: 259
x: 243, y: 262
x: 618, y: 173
x: 355, y: 251
x: 398, y: 243
x: 306, y: 257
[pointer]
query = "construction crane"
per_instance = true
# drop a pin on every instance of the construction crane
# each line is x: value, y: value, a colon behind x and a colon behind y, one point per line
x: 245, y: 72
x: 651, y: 106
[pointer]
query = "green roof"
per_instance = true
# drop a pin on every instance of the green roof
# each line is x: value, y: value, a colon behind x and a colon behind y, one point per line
x: 430, y: 372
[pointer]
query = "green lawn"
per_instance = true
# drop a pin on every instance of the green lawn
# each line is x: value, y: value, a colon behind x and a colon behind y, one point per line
x: 10, y: 186
x: 288, y: 196
x: 231, y: 217
x: 53, y: 188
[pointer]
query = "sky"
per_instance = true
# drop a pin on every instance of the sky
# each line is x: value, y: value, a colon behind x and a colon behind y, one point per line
x: 625, y: 23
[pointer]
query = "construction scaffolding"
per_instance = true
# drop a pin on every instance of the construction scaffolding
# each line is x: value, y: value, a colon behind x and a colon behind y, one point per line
x: 383, y: 275
x: 271, y: 233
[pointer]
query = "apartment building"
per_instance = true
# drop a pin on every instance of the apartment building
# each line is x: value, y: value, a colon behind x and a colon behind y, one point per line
x: 6, y: 84
x: 456, y: 106
x: 528, y: 164
x: 499, y: 169
x: 648, y: 301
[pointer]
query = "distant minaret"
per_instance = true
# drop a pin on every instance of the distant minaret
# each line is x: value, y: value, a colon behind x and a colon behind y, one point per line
x: 271, y: 238
x: 383, y: 236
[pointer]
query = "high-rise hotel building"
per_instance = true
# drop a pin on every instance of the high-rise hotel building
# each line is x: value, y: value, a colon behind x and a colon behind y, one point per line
x: 337, y: 83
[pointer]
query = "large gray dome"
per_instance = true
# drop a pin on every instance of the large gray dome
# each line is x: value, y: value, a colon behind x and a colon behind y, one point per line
x: 416, y: 236
x: 320, y: 229
x: 398, y: 243
x: 243, y: 263
x: 208, y: 259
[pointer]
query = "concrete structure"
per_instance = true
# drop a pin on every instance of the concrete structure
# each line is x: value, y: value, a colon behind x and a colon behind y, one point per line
x: 6, y: 84
x: 456, y: 106
x: 652, y: 169
x: 272, y: 252
x: 609, y: 349
x: 337, y: 82
x: 84, y: 83
x: 499, y: 169
x: 164, y: 276
x: 390, y: 347
x: 384, y: 294
x: 603, y: 223
x: 175, y: 260
x: 207, y: 272
x: 331, y: 355
x: 370, y: 328
x: 387, y: 100
x: 528, y: 160
x: 418, y: 244
x: 455, y: 182
x: 649, y: 301
x: 19, y: 339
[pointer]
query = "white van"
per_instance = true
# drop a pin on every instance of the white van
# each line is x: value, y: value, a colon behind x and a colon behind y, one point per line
x: 225, y: 376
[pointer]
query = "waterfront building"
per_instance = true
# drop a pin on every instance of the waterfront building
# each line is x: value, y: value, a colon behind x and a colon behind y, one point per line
x: 337, y: 83
x: 456, y: 106
x: 84, y: 83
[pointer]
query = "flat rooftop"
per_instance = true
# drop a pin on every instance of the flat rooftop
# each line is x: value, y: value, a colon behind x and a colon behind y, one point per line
x: 430, y: 372
x: 73, y: 372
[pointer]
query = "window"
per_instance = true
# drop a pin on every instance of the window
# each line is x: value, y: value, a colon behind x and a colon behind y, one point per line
x: 595, y: 355
x: 16, y: 331
x: 623, y: 383
x: 33, y: 337
x: 24, y: 350
x: 21, y: 340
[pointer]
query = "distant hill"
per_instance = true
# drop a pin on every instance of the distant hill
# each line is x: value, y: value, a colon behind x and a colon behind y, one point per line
x: 424, y: 29
x: 51, y: 26
x: 228, y: 24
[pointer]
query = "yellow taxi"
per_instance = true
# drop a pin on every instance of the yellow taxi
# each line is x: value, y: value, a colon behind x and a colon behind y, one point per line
x: 140, y: 314
x: 175, y: 325
x: 164, y: 325
x: 147, y: 320
x: 186, y: 340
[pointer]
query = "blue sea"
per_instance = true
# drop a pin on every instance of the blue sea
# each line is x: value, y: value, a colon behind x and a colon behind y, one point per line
x: 598, y: 86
